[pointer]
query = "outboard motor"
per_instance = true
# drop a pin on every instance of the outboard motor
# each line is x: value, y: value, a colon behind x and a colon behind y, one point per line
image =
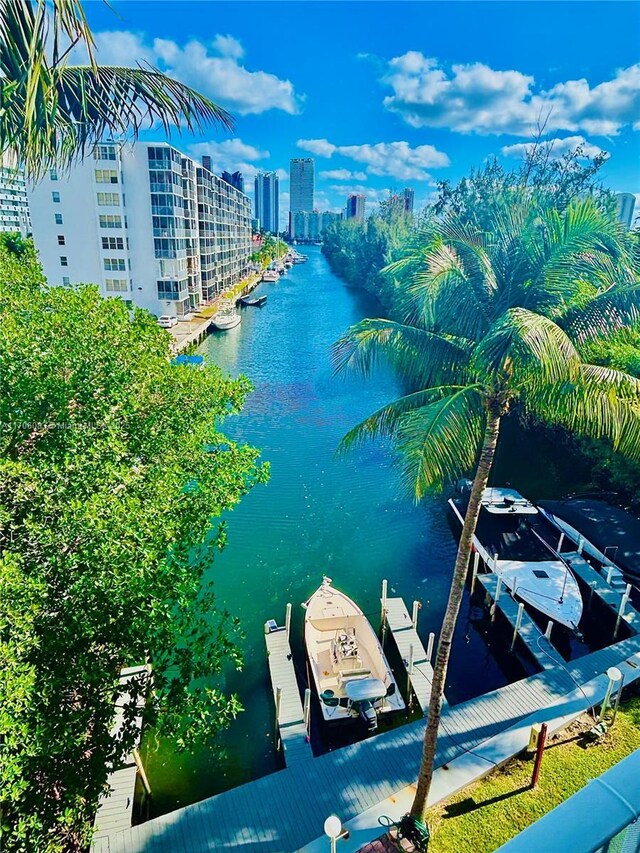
x: 368, y: 715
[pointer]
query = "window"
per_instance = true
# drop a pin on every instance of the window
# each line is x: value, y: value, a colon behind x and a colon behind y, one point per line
x: 66, y: 281
x: 110, y: 220
x: 116, y: 285
x: 58, y: 217
x: 106, y: 176
x: 63, y: 261
x: 55, y: 197
x: 114, y: 264
x: 109, y: 199
x: 112, y: 243
x: 53, y: 174
x: 60, y: 239
x: 105, y: 152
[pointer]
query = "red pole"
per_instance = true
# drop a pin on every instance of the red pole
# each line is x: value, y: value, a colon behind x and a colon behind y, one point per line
x: 542, y: 739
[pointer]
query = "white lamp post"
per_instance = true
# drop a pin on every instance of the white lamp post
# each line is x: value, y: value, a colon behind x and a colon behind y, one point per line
x: 333, y: 828
x: 615, y: 676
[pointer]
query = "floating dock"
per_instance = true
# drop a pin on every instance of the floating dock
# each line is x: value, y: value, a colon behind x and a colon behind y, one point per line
x: 414, y: 657
x: 291, y: 720
x: 115, y: 809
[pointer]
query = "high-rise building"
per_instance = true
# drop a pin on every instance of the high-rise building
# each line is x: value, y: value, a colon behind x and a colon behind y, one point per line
x: 308, y: 226
x: 14, y: 206
x: 301, y: 186
x: 408, y: 197
x: 146, y: 224
x: 234, y: 178
x: 355, y: 207
x: 626, y: 206
x: 267, y: 203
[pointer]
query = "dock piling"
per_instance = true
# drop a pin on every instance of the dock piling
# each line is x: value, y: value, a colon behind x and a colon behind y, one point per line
x: 414, y: 615
x: 474, y: 570
x: 547, y: 632
x: 432, y: 639
x: 609, y: 574
x: 287, y: 619
x: 516, y: 628
x: 623, y: 603
x: 278, y: 703
x: 383, y: 601
x: 409, y: 674
x: 560, y: 542
x: 307, y: 711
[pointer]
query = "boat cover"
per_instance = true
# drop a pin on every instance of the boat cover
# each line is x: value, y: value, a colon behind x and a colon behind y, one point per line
x: 365, y: 688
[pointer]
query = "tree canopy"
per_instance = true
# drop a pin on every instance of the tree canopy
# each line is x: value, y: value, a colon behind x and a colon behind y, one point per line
x: 113, y: 477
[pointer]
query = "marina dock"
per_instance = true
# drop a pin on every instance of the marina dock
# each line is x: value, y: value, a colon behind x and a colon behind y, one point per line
x: 414, y: 657
x: 537, y: 644
x: 291, y: 720
x: 115, y: 810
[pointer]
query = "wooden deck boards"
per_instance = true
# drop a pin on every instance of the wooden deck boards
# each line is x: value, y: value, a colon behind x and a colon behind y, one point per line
x: 537, y: 644
x: 291, y: 726
x: 405, y: 636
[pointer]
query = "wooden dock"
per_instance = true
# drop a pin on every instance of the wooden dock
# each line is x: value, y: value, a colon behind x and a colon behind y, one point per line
x: 286, y: 810
x: 606, y: 592
x: 539, y: 647
x: 416, y: 662
x: 290, y: 717
x: 115, y: 810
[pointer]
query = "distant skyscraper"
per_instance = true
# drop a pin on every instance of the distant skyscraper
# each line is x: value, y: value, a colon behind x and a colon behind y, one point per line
x: 301, y: 173
x: 235, y: 179
x: 626, y: 206
x: 408, y: 196
x: 267, y: 203
x: 355, y: 207
x: 14, y: 207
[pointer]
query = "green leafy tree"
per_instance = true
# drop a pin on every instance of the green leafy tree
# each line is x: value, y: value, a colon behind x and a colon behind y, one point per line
x: 492, y: 321
x: 113, y: 476
x: 54, y: 111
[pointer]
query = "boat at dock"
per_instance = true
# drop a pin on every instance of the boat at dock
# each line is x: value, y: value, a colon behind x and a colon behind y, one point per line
x: 513, y: 538
x: 270, y: 275
x: 300, y: 259
x: 348, y: 666
x: 258, y: 302
x: 227, y: 317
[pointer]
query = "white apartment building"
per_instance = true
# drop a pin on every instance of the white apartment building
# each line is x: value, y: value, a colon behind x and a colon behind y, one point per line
x: 145, y: 223
x: 14, y: 207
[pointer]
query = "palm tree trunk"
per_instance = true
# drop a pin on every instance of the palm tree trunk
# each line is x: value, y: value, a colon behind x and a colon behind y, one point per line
x: 419, y: 807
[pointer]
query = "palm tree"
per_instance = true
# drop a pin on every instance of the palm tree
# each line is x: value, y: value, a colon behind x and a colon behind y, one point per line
x: 488, y: 324
x: 53, y: 111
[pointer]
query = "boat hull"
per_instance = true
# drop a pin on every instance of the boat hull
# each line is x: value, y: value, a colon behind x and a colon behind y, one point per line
x: 223, y: 324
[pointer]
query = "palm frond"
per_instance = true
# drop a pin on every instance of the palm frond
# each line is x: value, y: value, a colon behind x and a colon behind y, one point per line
x: 419, y: 357
x: 383, y: 423
x: 440, y: 441
x: 607, y: 312
x: 524, y: 346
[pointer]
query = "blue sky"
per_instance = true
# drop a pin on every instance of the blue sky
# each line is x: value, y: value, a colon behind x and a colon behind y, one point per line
x: 391, y: 94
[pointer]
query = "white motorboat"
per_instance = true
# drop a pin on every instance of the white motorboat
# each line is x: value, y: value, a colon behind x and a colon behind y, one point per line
x: 227, y: 318
x: 348, y: 665
x: 271, y: 275
x: 513, y: 538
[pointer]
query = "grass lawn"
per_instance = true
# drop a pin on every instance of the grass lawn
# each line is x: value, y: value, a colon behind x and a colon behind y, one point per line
x: 488, y: 813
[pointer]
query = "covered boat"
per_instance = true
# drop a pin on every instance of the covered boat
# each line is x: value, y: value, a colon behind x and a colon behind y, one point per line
x: 347, y: 663
x: 513, y: 538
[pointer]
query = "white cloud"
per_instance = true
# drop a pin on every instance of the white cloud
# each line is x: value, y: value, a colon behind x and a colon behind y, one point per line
x: 558, y: 147
x: 213, y: 68
x: 393, y: 159
x: 343, y: 175
x: 230, y: 148
x: 477, y: 98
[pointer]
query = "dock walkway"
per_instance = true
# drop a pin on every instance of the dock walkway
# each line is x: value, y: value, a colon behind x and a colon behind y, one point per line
x: 289, y: 711
x: 115, y: 810
x: 606, y: 592
x: 538, y: 646
x: 405, y: 636
x: 286, y: 810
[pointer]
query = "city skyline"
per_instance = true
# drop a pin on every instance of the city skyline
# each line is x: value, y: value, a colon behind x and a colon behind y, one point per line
x: 396, y: 106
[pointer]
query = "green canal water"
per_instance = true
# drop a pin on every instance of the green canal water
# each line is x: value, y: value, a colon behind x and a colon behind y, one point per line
x: 346, y: 517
